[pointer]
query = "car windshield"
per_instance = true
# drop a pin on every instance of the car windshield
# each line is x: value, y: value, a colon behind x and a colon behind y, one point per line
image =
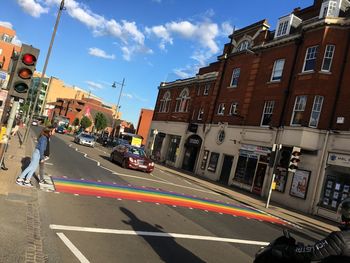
x: 137, y: 151
x: 87, y: 136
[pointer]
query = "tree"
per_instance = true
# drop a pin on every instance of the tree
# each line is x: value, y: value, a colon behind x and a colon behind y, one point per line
x: 76, y: 122
x: 100, y: 121
x: 85, y: 122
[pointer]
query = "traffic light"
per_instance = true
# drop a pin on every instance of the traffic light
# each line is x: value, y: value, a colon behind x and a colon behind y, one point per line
x: 284, y: 158
x: 23, y: 71
x: 294, y: 159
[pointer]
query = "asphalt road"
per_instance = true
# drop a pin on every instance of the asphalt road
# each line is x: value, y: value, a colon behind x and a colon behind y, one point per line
x: 101, y: 212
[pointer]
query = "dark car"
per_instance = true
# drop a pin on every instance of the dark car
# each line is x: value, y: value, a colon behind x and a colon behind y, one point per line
x: 61, y: 129
x: 131, y: 157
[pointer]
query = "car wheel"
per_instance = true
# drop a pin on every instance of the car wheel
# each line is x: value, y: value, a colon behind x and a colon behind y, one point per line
x: 125, y: 163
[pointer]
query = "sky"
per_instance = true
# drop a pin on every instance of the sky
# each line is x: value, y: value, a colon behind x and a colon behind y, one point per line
x: 144, y: 41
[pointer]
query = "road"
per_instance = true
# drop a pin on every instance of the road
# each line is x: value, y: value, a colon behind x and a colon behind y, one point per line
x: 100, y: 212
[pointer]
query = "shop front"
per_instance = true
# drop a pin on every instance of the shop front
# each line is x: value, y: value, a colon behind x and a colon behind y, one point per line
x: 251, y: 167
x: 337, y: 182
x: 192, y: 146
x: 173, y: 149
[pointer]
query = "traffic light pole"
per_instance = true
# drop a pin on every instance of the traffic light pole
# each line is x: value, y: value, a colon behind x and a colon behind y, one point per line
x: 43, y: 72
x: 276, y: 148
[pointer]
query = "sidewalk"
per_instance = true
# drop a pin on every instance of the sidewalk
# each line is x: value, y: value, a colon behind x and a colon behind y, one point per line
x: 19, y: 223
x: 315, y: 224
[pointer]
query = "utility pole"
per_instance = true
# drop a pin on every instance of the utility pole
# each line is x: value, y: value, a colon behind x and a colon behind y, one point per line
x: 276, y: 148
x: 120, y: 94
x: 44, y: 70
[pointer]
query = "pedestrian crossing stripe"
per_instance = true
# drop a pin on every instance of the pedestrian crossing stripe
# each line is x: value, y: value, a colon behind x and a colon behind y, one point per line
x: 110, y: 190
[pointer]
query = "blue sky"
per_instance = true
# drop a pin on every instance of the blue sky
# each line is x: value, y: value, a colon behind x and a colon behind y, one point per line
x: 144, y: 41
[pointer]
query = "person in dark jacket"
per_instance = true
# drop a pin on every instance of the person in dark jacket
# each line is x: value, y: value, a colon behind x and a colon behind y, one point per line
x: 37, y: 156
x: 334, y: 248
x: 46, y: 157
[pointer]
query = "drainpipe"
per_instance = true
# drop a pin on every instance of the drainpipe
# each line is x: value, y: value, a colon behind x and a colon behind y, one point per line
x: 330, y: 125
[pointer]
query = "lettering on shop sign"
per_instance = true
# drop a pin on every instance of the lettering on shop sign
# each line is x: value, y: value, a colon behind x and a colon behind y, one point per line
x: 339, y: 159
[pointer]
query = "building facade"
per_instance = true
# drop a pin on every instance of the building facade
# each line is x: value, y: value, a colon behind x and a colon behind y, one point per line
x: 286, y: 86
x: 144, y: 124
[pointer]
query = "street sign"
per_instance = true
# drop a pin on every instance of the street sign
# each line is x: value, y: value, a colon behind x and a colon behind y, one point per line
x: 3, y: 75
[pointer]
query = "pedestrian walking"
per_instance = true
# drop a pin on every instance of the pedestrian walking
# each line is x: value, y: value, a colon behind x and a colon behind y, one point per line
x: 37, y: 157
x: 46, y: 157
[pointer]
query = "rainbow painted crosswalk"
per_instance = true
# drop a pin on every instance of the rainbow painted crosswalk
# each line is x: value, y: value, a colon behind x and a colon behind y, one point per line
x: 151, y: 195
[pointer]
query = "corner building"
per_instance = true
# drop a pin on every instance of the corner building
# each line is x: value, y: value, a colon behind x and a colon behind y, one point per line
x: 286, y: 86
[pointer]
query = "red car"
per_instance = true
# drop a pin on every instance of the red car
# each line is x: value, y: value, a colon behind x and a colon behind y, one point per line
x: 132, y: 157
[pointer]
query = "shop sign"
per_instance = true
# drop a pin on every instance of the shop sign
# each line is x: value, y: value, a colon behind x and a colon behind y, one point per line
x: 256, y: 149
x: 339, y: 159
x: 194, y: 140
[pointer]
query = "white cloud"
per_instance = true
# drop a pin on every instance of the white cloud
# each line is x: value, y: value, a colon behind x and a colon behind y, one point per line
x: 6, y: 24
x: 94, y: 51
x: 128, y: 95
x: 16, y: 41
x: 94, y: 84
x: 128, y: 51
x: 226, y: 29
x: 33, y: 7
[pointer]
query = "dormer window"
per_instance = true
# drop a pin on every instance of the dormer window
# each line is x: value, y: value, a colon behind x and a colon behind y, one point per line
x: 243, y: 46
x: 285, y: 24
x: 329, y: 9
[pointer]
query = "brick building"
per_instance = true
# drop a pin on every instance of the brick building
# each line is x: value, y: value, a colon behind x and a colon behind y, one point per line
x: 285, y: 86
x: 144, y: 124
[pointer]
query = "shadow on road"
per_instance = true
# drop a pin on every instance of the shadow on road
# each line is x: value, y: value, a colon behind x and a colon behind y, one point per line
x: 166, y: 247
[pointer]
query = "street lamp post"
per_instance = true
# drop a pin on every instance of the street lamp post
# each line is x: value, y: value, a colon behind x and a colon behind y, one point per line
x: 44, y: 71
x: 155, y: 132
x: 114, y: 85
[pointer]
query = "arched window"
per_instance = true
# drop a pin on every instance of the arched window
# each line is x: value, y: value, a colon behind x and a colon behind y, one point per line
x: 165, y: 102
x: 243, y: 45
x: 182, y: 101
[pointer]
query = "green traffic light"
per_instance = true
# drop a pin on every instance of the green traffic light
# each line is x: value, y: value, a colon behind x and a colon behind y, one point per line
x: 21, y: 87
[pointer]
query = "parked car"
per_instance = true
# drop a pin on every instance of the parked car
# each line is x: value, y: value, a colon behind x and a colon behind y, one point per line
x: 61, y: 129
x: 35, y: 122
x: 131, y: 157
x: 85, y: 139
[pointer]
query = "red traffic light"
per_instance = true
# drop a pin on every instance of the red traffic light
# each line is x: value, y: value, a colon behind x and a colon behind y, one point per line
x: 28, y: 59
x: 25, y: 73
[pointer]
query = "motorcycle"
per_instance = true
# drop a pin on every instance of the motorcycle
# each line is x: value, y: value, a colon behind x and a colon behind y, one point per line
x: 274, y: 252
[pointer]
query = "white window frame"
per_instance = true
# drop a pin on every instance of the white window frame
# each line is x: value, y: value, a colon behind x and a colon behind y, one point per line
x: 299, y: 106
x: 206, y: 89
x: 244, y: 45
x: 268, y: 110
x: 200, y: 114
x: 316, y: 109
x: 236, y: 72
x: 283, y: 26
x: 277, y: 70
x: 233, y: 108
x: 310, y: 54
x: 164, y: 102
x: 183, y: 101
x: 328, y: 54
x: 221, y: 109
x: 330, y: 9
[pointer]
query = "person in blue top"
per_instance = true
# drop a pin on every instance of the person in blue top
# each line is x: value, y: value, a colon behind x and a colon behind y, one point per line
x: 37, y: 157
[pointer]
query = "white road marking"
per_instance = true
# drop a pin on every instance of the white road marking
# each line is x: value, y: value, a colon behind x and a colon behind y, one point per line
x: 156, y: 234
x: 73, y: 248
x: 159, y: 178
x: 48, y: 163
x: 178, y: 185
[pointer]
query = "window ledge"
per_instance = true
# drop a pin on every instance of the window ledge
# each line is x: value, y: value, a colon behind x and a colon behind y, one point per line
x: 325, y: 72
x: 232, y: 87
x: 306, y: 72
x: 274, y: 82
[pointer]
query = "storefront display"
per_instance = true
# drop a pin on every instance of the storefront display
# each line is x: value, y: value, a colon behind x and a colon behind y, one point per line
x: 281, y: 179
x: 213, y: 161
x: 205, y: 159
x: 300, y: 183
x: 173, y: 148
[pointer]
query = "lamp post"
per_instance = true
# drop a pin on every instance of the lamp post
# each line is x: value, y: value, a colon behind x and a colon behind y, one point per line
x: 44, y: 71
x: 155, y: 132
x: 114, y: 85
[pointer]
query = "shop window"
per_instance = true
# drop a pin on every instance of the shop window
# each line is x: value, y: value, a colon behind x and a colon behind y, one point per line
x: 267, y: 113
x: 328, y: 57
x: 277, y: 70
x: 205, y: 159
x: 235, y: 77
x: 316, y: 111
x: 310, y: 59
x: 298, y: 111
x: 213, y: 162
x: 173, y: 148
x: 336, y: 189
x: 246, y: 166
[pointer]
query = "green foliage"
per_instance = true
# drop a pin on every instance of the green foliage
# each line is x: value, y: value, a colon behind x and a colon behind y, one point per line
x: 100, y: 121
x: 76, y: 122
x: 47, y: 123
x: 85, y: 122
